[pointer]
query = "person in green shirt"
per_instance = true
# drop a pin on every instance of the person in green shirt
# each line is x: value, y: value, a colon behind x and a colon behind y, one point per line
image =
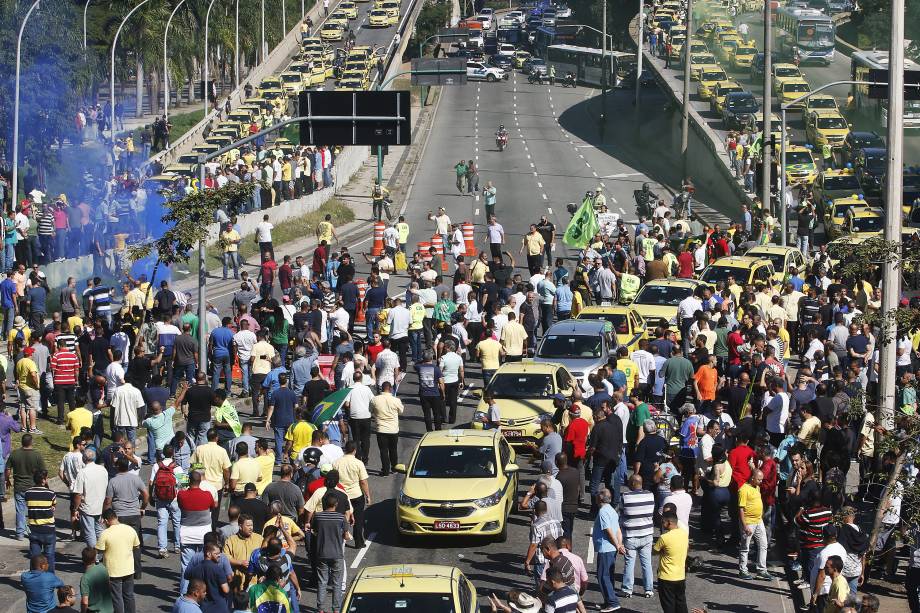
x: 95, y: 593
x: 444, y: 308
x: 226, y: 419
x: 190, y: 318
x: 637, y: 417
x: 278, y: 332
x: 677, y: 372
x: 461, y: 169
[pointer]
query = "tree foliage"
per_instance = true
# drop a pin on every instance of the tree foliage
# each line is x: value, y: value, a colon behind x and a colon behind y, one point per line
x: 873, y: 23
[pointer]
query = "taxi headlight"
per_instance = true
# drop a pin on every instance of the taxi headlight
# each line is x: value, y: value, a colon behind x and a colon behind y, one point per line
x: 408, y: 501
x: 489, y: 501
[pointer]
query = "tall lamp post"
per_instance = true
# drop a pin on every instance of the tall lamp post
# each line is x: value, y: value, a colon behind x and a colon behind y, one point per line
x: 685, y: 118
x: 766, y: 176
x: 16, y: 105
x: 112, y: 65
x: 166, y: 60
x: 236, y: 46
x: 205, y: 88
x: 639, y: 52
x: 85, y: 9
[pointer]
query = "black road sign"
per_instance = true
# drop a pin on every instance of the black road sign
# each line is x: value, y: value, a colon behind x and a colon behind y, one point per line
x: 448, y: 71
x: 371, y: 118
x: 880, y: 75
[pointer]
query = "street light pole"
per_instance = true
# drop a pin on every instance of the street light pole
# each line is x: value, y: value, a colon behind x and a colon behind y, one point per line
x: 236, y: 46
x: 639, y: 52
x: 166, y: 60
x: 891, y: 285
x: 283, y: 18
x: 262, y: 39
x: 605, y: 70
x: 205, y: 88
x: 112, y: 65
x: 685, y: 119
x: 765, y: 151
x: 85, y: 9
x: 782, y: 179
x: 22, y: 29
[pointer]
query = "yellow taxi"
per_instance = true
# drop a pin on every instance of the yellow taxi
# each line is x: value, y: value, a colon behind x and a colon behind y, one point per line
x: 379, y: 18
x: 268, y: 83
x: 699, y: 61
x: 520, y: 56
x: 841, y: 247
x: 783, y: 258
x: 164, y: 184
x: 834, y: 183
x: 656, y: 303
x: 357, y: 65
x: 315, y: 48
x: 743, y: 56
x: 710, y: 76
x: 458, y: 483
x: 392, y: 7
x: 746, y: 270
x: 836, y: 213
x: 185, y: 170
x: 332, y: 32
x: 236, y: 129
x: 349, y: 8
x: 826, y: 128
x: 784, y: 72
x: 864, y: 222
x: 350, y: 84
x: 411, y: 587
x: 727, y: 46
x: 320, y: 73
x: 698, y: 46
x: 678, y: 31
x: 522, y: 391
x: 677, y: 46
x: 293, y: 82
x: 339, y: 18
x: 242, y: 115
x: 791, y: 89
x: 356, y: 75
x: 821, y: 103
x: 662, y: 16
x: 629, y: 326
x: 800, y: 165
x: 722, y: 89
x: 273, y: 93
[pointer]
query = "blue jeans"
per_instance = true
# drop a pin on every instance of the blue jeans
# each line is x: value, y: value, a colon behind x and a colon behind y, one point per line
x: 244, y: 379
x: 619, y: 477
x: 178, y: 370
x: 60, y: 246
x: 151, y: 448
x: 9, y: 314
x: 415, y: 344
x: 2, y: 469
x: 186, y: 554
x: 232, y: 259
x: 43, y: 543
x: 329, y: 573
x: 643, y: 547
x: 130, y: 433
x: 605, y: 567
x: 327, y: 177
x: 167, y: 511
x: 9, y: 256
x: 370, y: 318
x: 218, y: 364
x: 198, y: 432
x: 279, y: 432
x: 537, y: 571
x: 21, y: 514
x: 91, y: 528
x: 600, y: 474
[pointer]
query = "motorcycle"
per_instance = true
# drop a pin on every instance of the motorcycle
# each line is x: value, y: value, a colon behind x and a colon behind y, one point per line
x: 682, y: 203
x: 568, y: 80
x: 537, y: 78
x: 644, y: 201
x: 501, y: 141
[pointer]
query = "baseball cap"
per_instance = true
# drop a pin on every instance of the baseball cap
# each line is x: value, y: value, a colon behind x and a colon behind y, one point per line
x: 250, y: 487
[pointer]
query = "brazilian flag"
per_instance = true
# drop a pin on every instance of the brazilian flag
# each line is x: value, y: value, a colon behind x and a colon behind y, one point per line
x: 583, y: 226
x: 330, y: 405
x: 757, y: 144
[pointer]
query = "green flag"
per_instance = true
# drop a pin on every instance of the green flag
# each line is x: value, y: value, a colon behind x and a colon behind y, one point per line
x: 583, y: 226
x: 329, y: 406
x: 757, y: 144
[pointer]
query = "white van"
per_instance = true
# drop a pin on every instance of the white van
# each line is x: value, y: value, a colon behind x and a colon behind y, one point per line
x: 506, y: 49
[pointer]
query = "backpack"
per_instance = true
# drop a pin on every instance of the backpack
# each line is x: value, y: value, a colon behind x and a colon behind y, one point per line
x: 20, y: 336
x: 164, y: 484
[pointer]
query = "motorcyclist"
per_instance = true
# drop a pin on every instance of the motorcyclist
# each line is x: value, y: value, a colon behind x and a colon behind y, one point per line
x: 552, y: 74
x: 599, y: 198
x: 379, y: 195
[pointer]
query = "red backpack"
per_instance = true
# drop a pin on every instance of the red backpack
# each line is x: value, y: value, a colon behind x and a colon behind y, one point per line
x: 164, y: 483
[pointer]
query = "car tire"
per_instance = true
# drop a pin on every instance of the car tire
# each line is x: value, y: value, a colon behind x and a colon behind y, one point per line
x: 502, y: 536
x: 490, y: 78
x: 406, y: 540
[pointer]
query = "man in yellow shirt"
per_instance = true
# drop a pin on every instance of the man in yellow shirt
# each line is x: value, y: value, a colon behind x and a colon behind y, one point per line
x: 628, y: 368
x: 230, y: 239
x: 840, y: 589
x: 117, y: 544
x: 353, y: 477
x: 265, y: 457
x: 214, y: 460
x: 489, y: 353
x: 79, y: 418
x: 403, y: 228
x: 750, y: 507
x: 671, y: 548
x: 299, y: 435
x: 514, y: 339
x: 417, y: 315
x: 239, y: 548
x: 244, y: 470
x: 325, y: 231
x: 534, y: 245
x: 29, y: 397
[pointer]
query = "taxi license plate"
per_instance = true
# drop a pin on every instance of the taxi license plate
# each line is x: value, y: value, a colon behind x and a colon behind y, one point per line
x: 446, y: 525
x: 512, y: 433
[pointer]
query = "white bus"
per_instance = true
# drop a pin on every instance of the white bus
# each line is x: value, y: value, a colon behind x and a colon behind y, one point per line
x: 585, y: 63
x: 860, y: 64
x: 806, y: 34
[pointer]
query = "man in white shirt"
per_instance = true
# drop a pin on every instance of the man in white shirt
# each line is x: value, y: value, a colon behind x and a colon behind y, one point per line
x: 340, y: 317
x: 399, y: 320
x: 127, y: 402
x: 699, y: 258
x: 114, y: 376
x: 391, y: 240
x: 386, y: 367
x: 457, y: 246
x: 264, y: 236
x: 462, y: 293
x: 244, y: 340
x: 358, y: 408
x: 646, y: 363
x: 496, y: 237
x: 442, y: 224
x: 88, y: 490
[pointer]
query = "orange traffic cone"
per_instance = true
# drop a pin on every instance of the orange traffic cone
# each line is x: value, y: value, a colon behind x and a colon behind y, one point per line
x: 379, y: 227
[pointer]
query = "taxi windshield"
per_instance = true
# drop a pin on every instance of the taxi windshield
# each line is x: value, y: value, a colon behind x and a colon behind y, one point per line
x: 841, y: 182
x: 400, y: 602
x: 662, y: 295
x: 778, y: 259
x: 822, y: 103
x: 454, y: 461
x: 745, y: 51
x: 787, y: 72
x: 570, y: 346
x: 520, y: 385
x: 712, y: 75
x: 832, y: 123
x: 867, y: 224
x: 795, y: 87
x: 617, y: 320
x: 291, y: 78
x: 799, y: 157
x: 714, y: 274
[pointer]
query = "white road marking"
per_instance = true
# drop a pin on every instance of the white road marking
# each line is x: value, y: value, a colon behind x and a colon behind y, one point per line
x: 594, y: 172
x: 477, y: 197
x: 622, y: 211
x: 588, y: 165
x: 367, y: 545
x: 550, y: 209
x: 581, y: 156
x: 623, y: 175
x: 540, y: 185
x: 528, y: 156
x: 535, y: 174
x: 476, y: 212
x: 544, y: 196
x: 361, y: 242
x: 531, y: 165
x: 589, y: 559
x: 604, y: 185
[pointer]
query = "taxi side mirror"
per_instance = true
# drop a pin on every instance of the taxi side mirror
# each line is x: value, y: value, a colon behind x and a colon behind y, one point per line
x: 510, y: 469
x: 400, y: 468
x: 477, y: 393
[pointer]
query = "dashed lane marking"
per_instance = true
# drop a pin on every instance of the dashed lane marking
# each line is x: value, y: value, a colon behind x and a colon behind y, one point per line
x: 367, y: 545
x: 550, y: 209
x: 544, y: 196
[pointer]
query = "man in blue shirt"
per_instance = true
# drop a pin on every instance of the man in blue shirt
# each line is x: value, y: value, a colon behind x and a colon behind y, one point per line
x: 608, y: 541
x: 280, y: 413
x: 191, y: 601
x: 431, y: 391
x: 221, y: 347
x: 8, y: 302
x: 40, y: 584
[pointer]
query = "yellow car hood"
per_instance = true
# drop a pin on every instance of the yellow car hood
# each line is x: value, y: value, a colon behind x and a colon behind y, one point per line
x: 520, y: 409
x: 449, y: 489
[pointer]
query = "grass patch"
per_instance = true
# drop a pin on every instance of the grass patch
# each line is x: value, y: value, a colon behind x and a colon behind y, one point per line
x: 181, y: 122
x: 296, y: 229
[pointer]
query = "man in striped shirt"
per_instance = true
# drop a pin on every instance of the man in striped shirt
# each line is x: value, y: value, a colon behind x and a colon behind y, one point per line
x: 100, y: 300
x: 563, y: 598
x: 40, y: 502
x: 638, y: 530
x: 542, y: 526
x: 65, y: 364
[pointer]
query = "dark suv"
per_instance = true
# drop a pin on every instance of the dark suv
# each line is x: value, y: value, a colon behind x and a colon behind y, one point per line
x: 757, y: 65
x: 739, y: 109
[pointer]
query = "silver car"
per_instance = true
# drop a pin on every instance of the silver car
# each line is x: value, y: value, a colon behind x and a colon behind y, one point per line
x: 582, y: 346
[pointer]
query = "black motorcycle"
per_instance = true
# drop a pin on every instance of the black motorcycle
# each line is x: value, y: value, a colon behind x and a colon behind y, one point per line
x: 537, y: 78
x: 645, y: 199
x: 568, y: 80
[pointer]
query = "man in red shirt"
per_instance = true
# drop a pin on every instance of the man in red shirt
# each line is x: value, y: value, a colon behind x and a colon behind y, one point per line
x: 286, y: 275
x: 65, y: 365
x: 684, y: 264
x: 767, y: 465
x: 195, y: 504
x: 741, y: 459
x: 576, y: 437
x: 320, y: 255
x: 267, y: 275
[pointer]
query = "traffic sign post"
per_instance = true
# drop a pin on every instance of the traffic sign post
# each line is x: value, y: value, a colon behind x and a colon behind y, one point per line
x: 377, y: 118
x: 448, y: 71
x: 879, y: 89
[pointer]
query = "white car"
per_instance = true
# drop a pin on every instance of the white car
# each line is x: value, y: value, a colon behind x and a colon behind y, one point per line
x: 487, y: 12
x: 477, y: 71
x: 486, y: 21
x: 516, y: 16
x: 506, y: 49
x: 563, y: 11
